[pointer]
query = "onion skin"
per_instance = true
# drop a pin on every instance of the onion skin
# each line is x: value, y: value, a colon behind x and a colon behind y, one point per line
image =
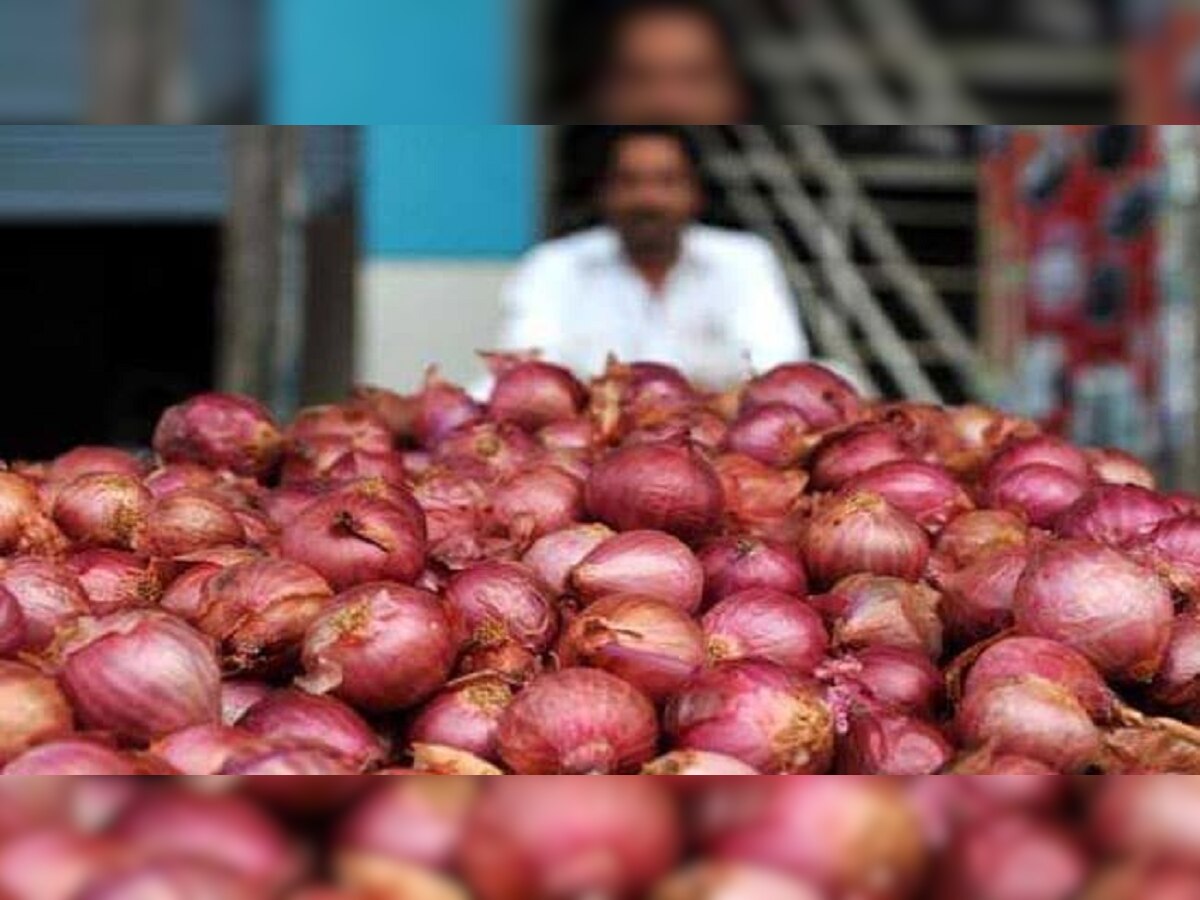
x: 1013, y: 857
x: 656, y: 487
x: 825, y: 399
x: 502, y: 601
x: 537, y: 501
x: 49, y: 595
x: 861, y: 533
x: 1178, y: 682
x: 1117, y: 515
x: 32, y: 710
x: 1030, y: 717
x: 853, y: 452
x: 431, y: 759
x: 975, y: 536
x: 888, y: 678
x: 103, y: 510
x: 189, y: 520
x: 926, y: 492
x: 977, y: 602
x: 175, y: 877
x: 717, y: 881
x: 1096, y: 601
x: 260, y: 610
x: 735, y: 564
x: 553, y: 556
x: 465, y: 716
x: 295, y: 718
x: 204, y: 749
x: 887, y: 612
x: 1173, y: 550
x: 757, y: 712
x: 1041, y: 493
x: 760, y: 501
x: 1042, y: 449
x: 94, y: 461
x: 356, y: 428
x: 221, y: 431
x: 697, y: 762
x: 774, y: 434
x: 441, y: 408
x: 71, y: 757
x: 652, y: 645
x: 12, y: 624
x: 891, y: 744
x: 1148, y: 819
x: 300, y: 761
x: 487, y: 450
x: 1113, y: 466
x: 140, y: 675
x: 237, y: 696
x: 54, y: 863
x: 578, y: 722
x: 350, y: 537
x: 767, y: 625
x: 115, y: 580
x: 533, y: 394
x: 576, y: 838
x: 24, y: 528
x: 643, y: 562
x: 380, y: 647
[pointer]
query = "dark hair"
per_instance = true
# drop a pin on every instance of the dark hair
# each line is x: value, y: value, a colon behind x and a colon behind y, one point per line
x: 615, y: 135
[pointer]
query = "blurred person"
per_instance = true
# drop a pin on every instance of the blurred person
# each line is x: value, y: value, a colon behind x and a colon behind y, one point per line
x: 651, y: 283
x: 669, y: 61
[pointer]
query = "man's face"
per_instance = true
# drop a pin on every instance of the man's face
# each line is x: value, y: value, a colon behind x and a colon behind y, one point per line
x: 670, y: 67
x: 650, y: 195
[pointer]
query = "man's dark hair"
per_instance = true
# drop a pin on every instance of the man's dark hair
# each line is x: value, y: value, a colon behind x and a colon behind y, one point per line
x: 615, y: 135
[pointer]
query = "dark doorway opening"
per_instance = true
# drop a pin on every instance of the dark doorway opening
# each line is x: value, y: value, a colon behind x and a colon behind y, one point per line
x: 105, y: 326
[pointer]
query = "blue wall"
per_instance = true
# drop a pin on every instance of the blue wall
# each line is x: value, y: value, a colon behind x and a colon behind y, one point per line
x: 462, y: 185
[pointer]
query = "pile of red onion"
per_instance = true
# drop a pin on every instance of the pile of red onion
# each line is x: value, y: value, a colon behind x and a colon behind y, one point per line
x: 606, y: 577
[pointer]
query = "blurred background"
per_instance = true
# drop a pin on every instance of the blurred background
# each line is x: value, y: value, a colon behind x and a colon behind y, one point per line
x: 157, y: 242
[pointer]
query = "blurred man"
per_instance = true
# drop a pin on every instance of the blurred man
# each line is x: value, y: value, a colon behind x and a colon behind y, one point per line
x: 669, y: 61
x: 651, y: 283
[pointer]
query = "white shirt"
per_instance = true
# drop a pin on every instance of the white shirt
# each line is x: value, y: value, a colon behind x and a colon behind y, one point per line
x: 724, y: 311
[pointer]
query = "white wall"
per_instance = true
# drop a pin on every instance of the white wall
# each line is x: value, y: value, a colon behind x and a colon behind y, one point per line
x: 412, y: 314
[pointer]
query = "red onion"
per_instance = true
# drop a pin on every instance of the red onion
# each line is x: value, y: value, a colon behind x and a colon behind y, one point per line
x: 24, y: 528
x: 847, y: 454
x: 892, y: 744
x: 205, y: 749
x: 1095, y: 600
x: 1151, y: 819
x: 657, y: 487
x: 553, y: 556
x: 337, y: 461
x: 54, y: 863
x: 532, y: 394
x: 578, y: 722
x: 735, y: 564
x: 487, y: 449
x: 356, y: 428
x: 697, y: 762
x: 13, y: 633
x: 643, y: 562
x: 761, y: 501
x: 763, y: 624
x: 1013, y: 857
x: 185, y: 595
x: 639, y: 389
x: 442, y: 407
x: 431, y: 759
x: 223, y: 829
x: 1178, y: 681
x: 856, y: 533
x: 351, y: 537
x: 103, y: 510
x: 1030, y: 717
x: 506, y: 659
x: 49, y: 594
x: 977, y: 601
x: 847, y: 837
x: 652, y: 644
x: 1044, y: 450
x: 452, y: 502
x: 394, y: 410
x: 297, y: 718
x: 115, y: 580
x: 902, y: 681
x: 537, y: 501
x: 93, y: 461
x: 724, y: 881
x: 984, y: 762
x: 544, y: 838
x: 926, y: 492
x: 757, y: 712
x: 775, y: 434
x: 189, y: 520
x: 1118, y: 467
x: 178, y: 476
x: 1136, y: 881
x: 825, y: 399
x: 222, y: 431
x: 975, y: 536
x: 283, y: 504
x: 1173, y: 550
x: 237, y: 696
x: 1186, y: 504
x: 502, y: 601
x: 298, y: 761
x: 1039, y: 492
x: 699, y: 428
x: 578, y: 434
x: 887, y: 612
x: 32, y: 710
x: 171, y: 878
x: 140, y: 675
x: 1118, y: 515
x: 1016, y: 657
x: 465, y: 716
x: 71, y: 757
x: 381, y: 647
x: 260, y: 610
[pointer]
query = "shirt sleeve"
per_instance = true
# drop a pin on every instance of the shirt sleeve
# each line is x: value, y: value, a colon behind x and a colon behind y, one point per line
x: 529, y: 302
x: 769, y: 321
